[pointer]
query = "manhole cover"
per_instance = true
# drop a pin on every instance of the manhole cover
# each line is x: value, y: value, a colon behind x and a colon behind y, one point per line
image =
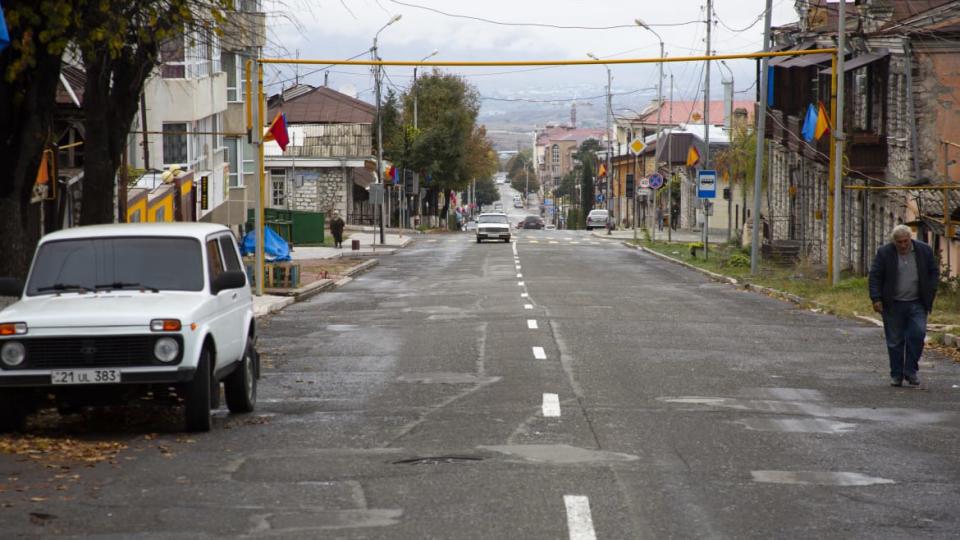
x: 437, y: 460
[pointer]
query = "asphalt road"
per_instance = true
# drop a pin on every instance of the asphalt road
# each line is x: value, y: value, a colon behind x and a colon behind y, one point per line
x: 564, y: 386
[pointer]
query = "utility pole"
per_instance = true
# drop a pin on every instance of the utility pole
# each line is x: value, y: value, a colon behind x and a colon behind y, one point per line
x: 838, y: 140
x: 706, y: 131
x: 761, y: 128
x: 728, y: 90
x: 376, y: 77
x: 670, y: 165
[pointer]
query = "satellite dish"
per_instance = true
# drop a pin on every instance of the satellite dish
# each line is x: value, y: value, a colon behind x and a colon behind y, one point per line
x: 349, y: 90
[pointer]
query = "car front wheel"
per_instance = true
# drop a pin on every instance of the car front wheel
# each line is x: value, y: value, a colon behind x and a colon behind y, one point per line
x: 198, y: 392
x: 241, y: 385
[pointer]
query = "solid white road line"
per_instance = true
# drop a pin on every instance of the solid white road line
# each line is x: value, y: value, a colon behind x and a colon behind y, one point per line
x: 579, y: 521
x: 532, y: 324
x: 551, y: 406
x: 539, y: 354
x: 528, y: 306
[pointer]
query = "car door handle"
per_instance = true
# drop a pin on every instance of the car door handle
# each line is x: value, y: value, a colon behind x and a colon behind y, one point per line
x: 234, y: 296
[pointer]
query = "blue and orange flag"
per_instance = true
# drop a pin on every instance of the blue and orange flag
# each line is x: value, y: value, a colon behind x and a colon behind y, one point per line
x: 278, y: 131
x: 4, y: 34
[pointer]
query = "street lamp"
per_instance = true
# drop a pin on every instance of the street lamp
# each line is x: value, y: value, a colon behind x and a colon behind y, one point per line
x: 609, y: 138
x: 656, y: 155
x: 416, y: 175
x: 376, y: 77
x: 728, y: 122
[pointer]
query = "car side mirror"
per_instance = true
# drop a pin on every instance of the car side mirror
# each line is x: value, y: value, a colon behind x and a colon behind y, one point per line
x: 231, y: 279
x: 11, y: 287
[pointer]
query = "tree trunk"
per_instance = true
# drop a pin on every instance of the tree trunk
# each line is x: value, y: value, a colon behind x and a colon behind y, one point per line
x: 110, y: 101
x: 26, y: 121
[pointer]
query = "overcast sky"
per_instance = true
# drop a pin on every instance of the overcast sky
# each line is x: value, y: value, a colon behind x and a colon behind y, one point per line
x: 338, y: 29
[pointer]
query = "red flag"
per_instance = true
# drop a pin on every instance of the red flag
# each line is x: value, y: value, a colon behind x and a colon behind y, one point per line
x: 278, y: 131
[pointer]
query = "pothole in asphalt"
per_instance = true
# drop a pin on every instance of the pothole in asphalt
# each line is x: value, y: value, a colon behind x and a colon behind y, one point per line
x: 796, y: 425
x: 446, y: 378
x: 437, y: 460
x: 817, y: 478
x: 560, y: 454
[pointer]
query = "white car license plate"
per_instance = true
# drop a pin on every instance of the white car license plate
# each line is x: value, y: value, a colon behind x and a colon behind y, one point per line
x: 85, y: 376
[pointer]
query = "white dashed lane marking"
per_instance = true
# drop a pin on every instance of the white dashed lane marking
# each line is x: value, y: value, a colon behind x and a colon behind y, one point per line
x: 524, y: 295
x: 532, y: 324
x: 520, y: 283
x: 539, y: 354
x: 528, y: 306
x: 519, y: 275
x: 579, y: 520
x: 551, y: 406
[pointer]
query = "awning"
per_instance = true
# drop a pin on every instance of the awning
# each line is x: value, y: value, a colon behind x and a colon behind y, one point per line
x: 808, y: 60
x: 860, y: 61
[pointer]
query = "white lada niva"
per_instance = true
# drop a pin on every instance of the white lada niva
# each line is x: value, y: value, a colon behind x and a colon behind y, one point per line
x: 110, y: 312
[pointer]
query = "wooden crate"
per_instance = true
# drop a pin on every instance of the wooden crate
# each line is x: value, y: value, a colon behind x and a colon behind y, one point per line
x: 285, y: 275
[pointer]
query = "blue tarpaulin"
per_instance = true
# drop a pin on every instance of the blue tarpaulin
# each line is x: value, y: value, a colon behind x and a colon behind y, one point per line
x: 4, y: 34
x: 275, y: 248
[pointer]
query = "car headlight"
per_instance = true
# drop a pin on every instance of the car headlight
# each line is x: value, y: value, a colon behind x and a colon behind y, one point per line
x: 166, y: 349
x: 12, y: 353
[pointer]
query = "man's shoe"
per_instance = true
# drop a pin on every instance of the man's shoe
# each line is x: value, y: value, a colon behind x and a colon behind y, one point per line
x: 913, y: 380
x: 896, y: 381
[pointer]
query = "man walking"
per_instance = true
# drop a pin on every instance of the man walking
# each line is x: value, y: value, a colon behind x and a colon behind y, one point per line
x: 903, y: 284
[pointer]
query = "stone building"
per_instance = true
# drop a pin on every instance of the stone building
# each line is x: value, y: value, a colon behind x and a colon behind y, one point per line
x: 324, y: 166
x: 900, y: 112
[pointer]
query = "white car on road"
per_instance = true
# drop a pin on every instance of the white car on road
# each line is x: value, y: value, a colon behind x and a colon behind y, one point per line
x: 112, y: 311
x: 493, y: 226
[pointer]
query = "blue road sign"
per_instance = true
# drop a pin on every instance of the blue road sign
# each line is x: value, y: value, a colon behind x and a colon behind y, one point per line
x: 707, y: 184
x: 656, y: 181
x: 600, y: 197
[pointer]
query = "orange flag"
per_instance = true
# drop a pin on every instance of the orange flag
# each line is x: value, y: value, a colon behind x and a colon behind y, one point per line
x: 693, y: 156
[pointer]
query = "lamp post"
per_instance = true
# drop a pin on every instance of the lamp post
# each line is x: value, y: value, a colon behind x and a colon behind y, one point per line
x: 609, y: 139
x: 728, y: 122
x: 656, y: 154
x: 376, y: 78
x: 416, y: 175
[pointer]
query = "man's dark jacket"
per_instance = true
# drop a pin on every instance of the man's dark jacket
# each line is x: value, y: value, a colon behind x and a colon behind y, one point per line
x: 883, y: 274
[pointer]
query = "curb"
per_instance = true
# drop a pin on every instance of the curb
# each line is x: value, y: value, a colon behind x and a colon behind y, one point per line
x: 712, y: 275
x: 314, y: 288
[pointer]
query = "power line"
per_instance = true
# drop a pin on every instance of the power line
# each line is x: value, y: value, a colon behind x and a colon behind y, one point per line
x: 529, y: 24
x: 603, y: 96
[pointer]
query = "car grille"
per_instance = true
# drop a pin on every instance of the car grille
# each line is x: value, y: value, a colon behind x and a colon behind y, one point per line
x: 96, y: 351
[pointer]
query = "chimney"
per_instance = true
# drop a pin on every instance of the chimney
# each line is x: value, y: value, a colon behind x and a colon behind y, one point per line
x: 727, y: 104
x: 573, y: 115
x: 739, y: 117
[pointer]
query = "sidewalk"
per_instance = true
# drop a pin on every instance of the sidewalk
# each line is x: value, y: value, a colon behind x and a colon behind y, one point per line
x: 370, y: 247
x: 717, y: 236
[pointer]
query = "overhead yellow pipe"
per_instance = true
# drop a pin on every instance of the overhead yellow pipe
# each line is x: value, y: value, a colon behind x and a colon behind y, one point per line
x: 524, y: 63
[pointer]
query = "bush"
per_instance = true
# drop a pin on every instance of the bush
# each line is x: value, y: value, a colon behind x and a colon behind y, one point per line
x: 738, y: 260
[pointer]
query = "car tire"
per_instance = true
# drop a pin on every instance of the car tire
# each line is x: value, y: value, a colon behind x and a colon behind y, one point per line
x: 241, y: 386
x: 478, y: 239
x: 12, y: 413
x: 198, y: 394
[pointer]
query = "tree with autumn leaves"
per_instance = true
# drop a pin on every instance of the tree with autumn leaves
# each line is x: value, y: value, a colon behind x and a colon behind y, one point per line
x: 117, y: 43
x: 448, y: 148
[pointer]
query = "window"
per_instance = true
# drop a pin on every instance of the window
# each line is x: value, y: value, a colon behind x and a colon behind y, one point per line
x: 229, y: 250
x: 214, y: 262
x: 164, y: 263
x: 278, y: 179
x: 233, y: 161
x: 134, y: 217
x: 231, y: 67
x: 173, y: 56
x: 555, y: 154
x: 160, y: 215
x: 175, y: 143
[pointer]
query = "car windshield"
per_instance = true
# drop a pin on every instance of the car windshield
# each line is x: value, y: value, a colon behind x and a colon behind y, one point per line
x: 117, y: 263
x: 494, y: 219
x: 532, y: 218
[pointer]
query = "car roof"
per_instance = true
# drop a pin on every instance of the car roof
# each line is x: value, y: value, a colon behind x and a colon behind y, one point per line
x: 182, y: 229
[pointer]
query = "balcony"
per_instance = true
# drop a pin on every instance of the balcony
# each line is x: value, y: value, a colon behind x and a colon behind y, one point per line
x: 867, y: 153
x: 242, y: 30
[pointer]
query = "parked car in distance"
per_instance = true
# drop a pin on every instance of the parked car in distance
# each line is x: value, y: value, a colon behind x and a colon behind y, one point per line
x: 498, y: 206
x: 532, y: 222
x: 597, y: 219
x: 517, y: 201
x: 471, y: 225
x: 110, y: 312
x: 493, y: 226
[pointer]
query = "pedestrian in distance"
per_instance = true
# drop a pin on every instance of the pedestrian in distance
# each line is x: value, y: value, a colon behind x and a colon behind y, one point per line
x: 336, y: 229
x: 659, y: 216
x: 903, y: 285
